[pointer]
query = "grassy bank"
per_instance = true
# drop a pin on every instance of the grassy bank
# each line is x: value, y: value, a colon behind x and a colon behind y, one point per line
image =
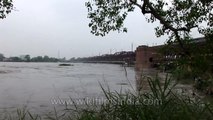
x: 161, y: 103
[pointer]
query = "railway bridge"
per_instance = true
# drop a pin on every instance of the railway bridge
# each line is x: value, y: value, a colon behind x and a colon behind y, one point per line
x: 148, y: 57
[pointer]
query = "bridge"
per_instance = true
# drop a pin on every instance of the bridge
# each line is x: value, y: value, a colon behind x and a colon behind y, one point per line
x: 122, y: 57
x: 143, y: 57
x: 149, y: 57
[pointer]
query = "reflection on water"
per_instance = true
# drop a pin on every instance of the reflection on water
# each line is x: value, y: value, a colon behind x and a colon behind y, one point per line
x: 34, y: 84
x: 142, y: 77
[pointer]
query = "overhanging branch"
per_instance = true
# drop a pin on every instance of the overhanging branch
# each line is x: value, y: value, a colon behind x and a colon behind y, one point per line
x: 166, y: 24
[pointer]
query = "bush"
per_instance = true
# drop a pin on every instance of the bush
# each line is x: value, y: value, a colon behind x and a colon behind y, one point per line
x: 169, y: 105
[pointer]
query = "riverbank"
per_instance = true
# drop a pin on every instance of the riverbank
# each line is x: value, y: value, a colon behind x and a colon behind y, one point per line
x: 183, y: 87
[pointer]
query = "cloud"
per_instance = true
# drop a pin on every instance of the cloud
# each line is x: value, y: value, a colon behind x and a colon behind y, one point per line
x: 42, y: 27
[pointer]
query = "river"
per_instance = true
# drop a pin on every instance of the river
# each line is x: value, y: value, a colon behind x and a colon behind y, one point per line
x: 35, y: 84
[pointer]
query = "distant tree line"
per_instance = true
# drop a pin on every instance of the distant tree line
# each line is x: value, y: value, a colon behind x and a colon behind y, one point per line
x: 27, y: 58
x: 127, y: 56
x: 44, y: 59
x: 1, y: 57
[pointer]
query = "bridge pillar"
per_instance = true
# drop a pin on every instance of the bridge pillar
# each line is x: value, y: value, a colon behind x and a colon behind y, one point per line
x: 145, y: 57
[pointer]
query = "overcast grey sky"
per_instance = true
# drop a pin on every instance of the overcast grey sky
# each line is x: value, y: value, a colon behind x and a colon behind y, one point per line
x: 44, y: 27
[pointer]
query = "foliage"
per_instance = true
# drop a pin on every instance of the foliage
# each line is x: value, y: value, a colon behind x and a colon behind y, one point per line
x: 198, y: 66
x: 27, y: 58
x: 15, y: 59
x: 177, y: 17
x: 5, y: 8
x: 44, y: 59
x: 171, y: 105
x: 162, y: 103
x: 108, y: 15
x: 202, y: 59
x: 1, y: 57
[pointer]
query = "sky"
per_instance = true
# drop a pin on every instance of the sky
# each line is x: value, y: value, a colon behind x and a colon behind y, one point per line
x: 49, y: 27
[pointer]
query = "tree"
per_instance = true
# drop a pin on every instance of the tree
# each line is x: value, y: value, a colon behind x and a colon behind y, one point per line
x: 5, y: 8
x: 15, y: 59
x: 1, y: 57
x: 37, y: 59
x: 177, y: 17
x: 27, y: 58
x: 46, y: 58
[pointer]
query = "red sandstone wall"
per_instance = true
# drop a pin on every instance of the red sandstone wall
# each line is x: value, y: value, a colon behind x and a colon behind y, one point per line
x: 145, y: 56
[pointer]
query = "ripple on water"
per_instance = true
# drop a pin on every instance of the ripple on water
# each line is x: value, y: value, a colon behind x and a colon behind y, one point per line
x: 47, y: 81
x: 5, y: 71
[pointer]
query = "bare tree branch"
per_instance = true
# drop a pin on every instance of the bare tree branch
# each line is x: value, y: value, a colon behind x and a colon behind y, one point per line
x: 135, y: 3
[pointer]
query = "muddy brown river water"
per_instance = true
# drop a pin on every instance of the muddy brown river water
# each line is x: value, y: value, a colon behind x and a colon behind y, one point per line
x: 35, y: 84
